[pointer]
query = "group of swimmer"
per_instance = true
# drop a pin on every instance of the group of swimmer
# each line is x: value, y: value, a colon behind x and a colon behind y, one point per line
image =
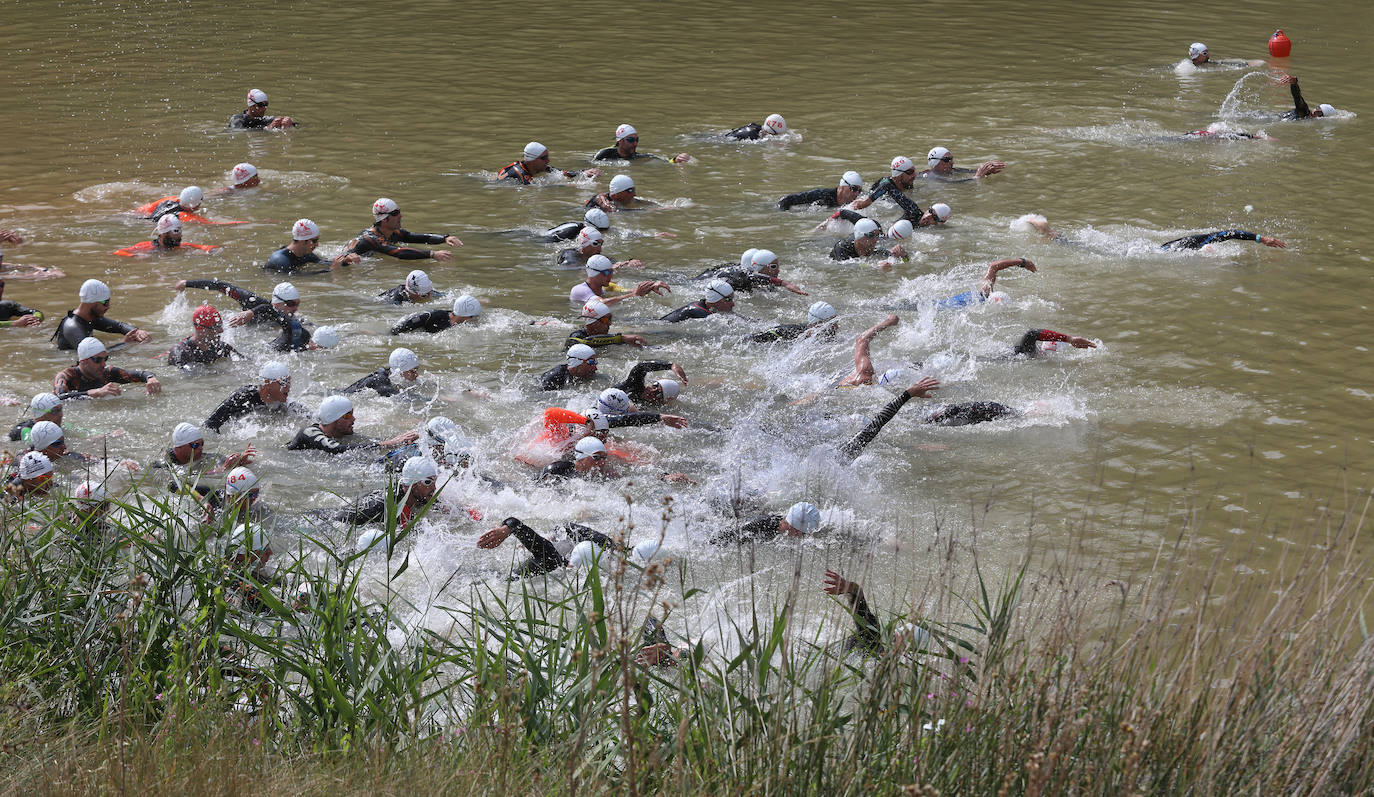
x: 570, y: 445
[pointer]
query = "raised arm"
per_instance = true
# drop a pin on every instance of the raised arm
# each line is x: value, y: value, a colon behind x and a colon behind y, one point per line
x: 990, y: 278
x: 863, y: 363
x: 868, y: 631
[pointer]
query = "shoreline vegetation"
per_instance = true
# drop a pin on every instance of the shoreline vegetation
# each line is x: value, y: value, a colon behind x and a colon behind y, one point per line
x: 135, y: 657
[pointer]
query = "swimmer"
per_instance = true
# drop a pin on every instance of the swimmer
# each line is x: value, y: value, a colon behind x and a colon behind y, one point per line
x: 416, y: 289
x: 334, y: 423
x: 32, y: 478
x: 383, y: 237
x: 984, y: 290
x: 864, y: 372
x: 255, y: 117
x: 847, y: 191
x: 594, y: 218
x: 248, y: 547
x: 600, y: 272
x: 819, y: 323
x: 188, y: 462
x: 14, y: 314
x: 270, y: 394
x: 868, y: 632
x: 719, y: 298
x: 619, y: 195
x: 894, y: 187
x: 42, y: 407
x: 589, y: 460
x: 586, y: 245
x: 940, y: 165
x: 92, y: 378
x: 465, y: 310
x: 89, y: 317
x: 295, y: 256
x: 660, y: 391
x: 1300, y: 108
x: 761, y: 271
x: 545, y: 555
x: 280, y: 310
x: 1194, y: 241
x: 802, y: 520
x: 774, y: 125
x: 183, y: 206
x: 403, y: 362
x: 241, y: 178
x: 851, y: 448
x: 1028, y: 345
x: 967, y: 413
x: 1199, y: 57
x: 166, y: 238
x: 863, y: 243
x: 627, y: 148
x: 597, y: 331
x: 19, y: 271
x: 47, y: 439
x: 417, y: 487
x: 536, y: 164
x: 204, y: 345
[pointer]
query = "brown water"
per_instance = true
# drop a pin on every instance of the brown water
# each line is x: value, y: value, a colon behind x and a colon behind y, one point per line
x: 1236, y: 380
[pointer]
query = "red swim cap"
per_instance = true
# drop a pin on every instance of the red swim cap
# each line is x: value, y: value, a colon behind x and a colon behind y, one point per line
x: 206, y: 317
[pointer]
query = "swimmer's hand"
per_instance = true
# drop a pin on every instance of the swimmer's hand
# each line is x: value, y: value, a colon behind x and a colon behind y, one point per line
x: 591, y: 173
x: 681, y: 157
x: 665, y: 235
x: 244, y: 457
x: 637, y: 341
x: 1286, y: 80
x: 405, y: 438
x: 679, y: 373
x: 923, y: 388
x: 135, y: 336
x: 891, y: 321
x: 652, y: 286
x: 836, y: 584
x: 105, y: 390
x: 10, y: 237
x: 1268, y: 240
x: 900, y: 252
x: 345, y: 259
x: 635, y: 263
x: 1081, y: 343
x: 678, y: 478
x: 180, y: 286
x: 440, y: 256
x: 674, y: 421
x: 793, y: 288
x: 153, y: 386
x: 493, y: 538
x: 27, y: 321
x: 452, y: 240
x: 991, y: 167
x: 239, y: 319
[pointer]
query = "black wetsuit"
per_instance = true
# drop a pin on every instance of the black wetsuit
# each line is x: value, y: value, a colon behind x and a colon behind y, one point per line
x: 243, y: 401
x: 563, y: 232
x: 544, y: 555
x: 1026, y: 345
x: 844, y: 249
x: 72, y: 383
x: 21, y: 430
x: 696, y: 309
x: 887, y: 188
x: 372, y: 240
x: 11, y: 309
x: 398, y: 295
x: 379, y: 380
x: 1201, y: 239
x: 371, y: 508
x: 739, y: 277
x: 968, y: 413
x: 73, y: 329
x: 313, y: 438
x: 825, y: 197
x: 750, y: 132
x: 191, y: 352
x: 430, y: 321
x: 633, y: 384
x: 519, y: 171
x: 595, y: 341
x: 571, y: 257
x: 856, y: 444
x: 294, y: 335
x: 558, y: 470
x: 777, y: 333
x: 868, y: 632
x: 760, y: 529
x: 556, y: 378
x: 242, y: 121
x: 1300, y: 109
x: 613, y: 154
x: 284, y: 261
x: 171, y: 206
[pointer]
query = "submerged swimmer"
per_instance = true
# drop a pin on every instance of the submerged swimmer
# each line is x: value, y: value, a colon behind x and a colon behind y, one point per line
x: 1194, y: 241
x: 619, y: 195
x: 895, y: 187
x: 1300, y: 107
x: 271, y: 393
x: 334, y: 424
x: 254, y: 117
x: 183, y: 206
x: 386, y: 233
x: 204, y: 346
x: 940, y: 166
x: 594, y: 218
x: 280, y: 310
x: 295, y: 256
x: 536, y: 164
x: 847, y: 191
x: 417, y: 288
x: 761, y: 271
x: 402, y: 362
x: 774, y: 125
x: 627, y: 148
x: 819, y: 323
x: 465, y: 310
x: 92, y: 378
x: 545, y: 555
x: 802, y: 519
x: 718, y: 298
x: 984, y: 290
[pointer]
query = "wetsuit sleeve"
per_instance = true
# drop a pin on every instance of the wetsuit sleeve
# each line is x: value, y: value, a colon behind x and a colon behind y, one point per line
x: 868, y: 631
x: 232, y: 407
x: 580, y: 533
x: 1027, y: 343
x: 379, y: 380
x: 105, y: 324
x: 607, y: 154
x: 780, y: 332
x: 1300, y: 109
x: 633, y: 385
x: 843, y: 250
x: 545, y: 557
x: 856, y: 444
x: 114, y: 374
x: 851, y: 216
x: 816, y: 196
x: 595, y: 341
x: 10, y: 309
x: 371, y: 241
x: 563, y: 232
x: 410, y: 323
x: 554, y: 379
x: 1199, y: 240
x: 63, y: 384
x: 246, y: 298
x: 420, y: 237
x: 371, y: 508
x: 910, y: 210
x: 635, y: 419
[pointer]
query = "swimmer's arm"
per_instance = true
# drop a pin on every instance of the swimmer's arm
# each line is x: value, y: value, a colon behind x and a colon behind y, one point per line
x: 863, y: 364
x: 869, y: 630
x: 410, y: 323
x: 546, y: 556
x: 1300, y: 109
x: 581, y: 533
x: 990, y: 278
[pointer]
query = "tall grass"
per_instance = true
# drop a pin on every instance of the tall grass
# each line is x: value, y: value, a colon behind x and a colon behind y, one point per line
x: 130, y: 660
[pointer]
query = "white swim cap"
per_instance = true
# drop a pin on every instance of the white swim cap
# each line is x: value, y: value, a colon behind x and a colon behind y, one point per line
x: 579, y: 353
x: 865, y: 227
x: 597, y: 218
x: 587, y: 447
x: 34, y: 464
x: 304, y: 230
x: 584, y: 555
x: 902, y: 164
x: 893, y: 376
x: 94, y: 291
x: 89, y: 347
x: 417, y: 469
x: 467, y: 305
x: 819, y: 312
x: 763, y: 257
x: 403, y: 359
x: 191, y: 197
x: 599, y: 264
x: 185, y: 433
x: 239, y: 480
x: 419, y: 282
x: 168, y: 223
x: 595, y: 310
x: 775, y: 124
x: 439, y: 428
x: 998, y: 297
x: 1326, y: 110
x: 621, y: 182
x: 44, y: 434
x: 804, y: 517
x: 1195, y: 49
x: 718, y: 290
x: 624, y: 131
x: 382, y: 208
x: 747, y: 259
x: 334, y: 408
x: 42, y: 404
x: 853, y: 180
x: 534, y: 149
x: 936, y: 155
x: 325, y: 337
x: 91, y: 491
x: 613, y: 401
x: 244, y: 172
x: 646, y: 551
x: 600, y: 421
x: 941, y: 211
x: 670, y: 387
x: 256, y: 96
x: 588, y: 236
x: 286, y: 292
x: 370, y: 537
x: 274, y: 372
x: 900, y: 230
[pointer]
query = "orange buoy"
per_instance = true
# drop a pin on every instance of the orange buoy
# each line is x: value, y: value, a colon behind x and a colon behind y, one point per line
x: 1280, y: 45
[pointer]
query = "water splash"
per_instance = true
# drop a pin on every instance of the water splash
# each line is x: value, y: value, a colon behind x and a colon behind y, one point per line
x: 1240, y: 97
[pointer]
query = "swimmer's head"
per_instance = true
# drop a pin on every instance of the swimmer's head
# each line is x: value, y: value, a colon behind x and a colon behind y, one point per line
x: 865, y: 228
x: 534, y: 151
x: 94, y: 291
x: 820, y: 312
x: 333, y: 408
x: 598, y: 219
x: 419, y: 283
x: 584, y: 554
x: 191, y: 197
x: 624, y: 132
x: 1197, y: 53
x: 999, y: 298
x: 257, y: 97
x: 902, y: 165
x: 620, y: 183
x: 850, y: 186
x: 938, y: 214
x: 580, y: 355
x: 403, y: 360
x: 304, y: 230
x: 664, y: 390
x: 239, y: 481
x: 719, y: 292
x: 206, y: 317
x: 775, y: 124
x: 275, y: 372
x: 419, y: 470
x: 383, y: 207
x: 589, y: 447
x: 613, y: 401
x: 285, y: 292
x: 937, y: 156
x: 168, y: 224
x: 600, y: 265
x: 894, y: 377
x: 803, y: 518
x: 599, y: 422
x: 764, y: 260
x: 244, y: 174
x: 34, y: 465
x: 1326, y: 110
x: 325, y: 337
x: 42, y: 404
x: 853, y: 180
x: 900, y: 230
x: 91, y: 492
x: 88, y: 348
x: 467, y: 306
x: 46, y: 434
x: 747, y: 259
x: 646, y: 551
x: 595, y: 310
x: 588, y: 236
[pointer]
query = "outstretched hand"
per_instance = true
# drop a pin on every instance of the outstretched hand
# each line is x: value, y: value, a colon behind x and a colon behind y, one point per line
x: 836, y: 584
x: 923, y: 388
x: 1269, y: 240
x: 494, y: 537
x: 1081, y: 343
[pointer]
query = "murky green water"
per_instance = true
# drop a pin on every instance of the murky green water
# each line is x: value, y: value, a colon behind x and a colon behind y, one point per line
x: 1236, y: 380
